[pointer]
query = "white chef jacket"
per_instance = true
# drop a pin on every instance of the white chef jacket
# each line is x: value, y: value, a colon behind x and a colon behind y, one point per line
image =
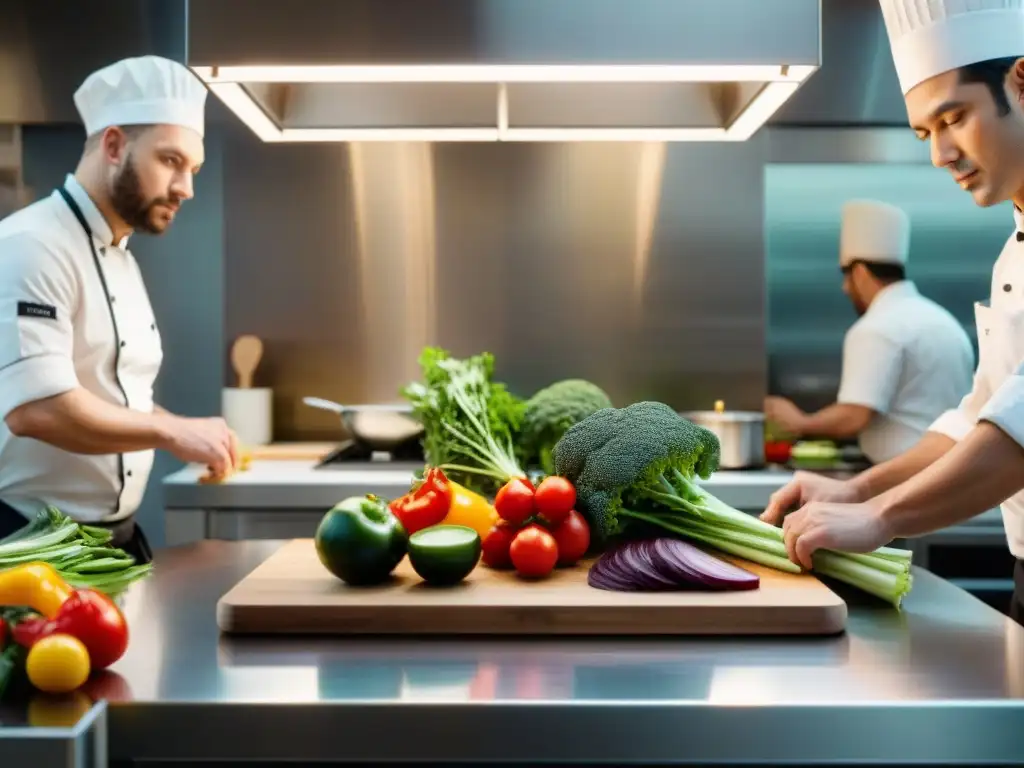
x: 998, y: 392
x: 69, y: 318
x: 909, y: 360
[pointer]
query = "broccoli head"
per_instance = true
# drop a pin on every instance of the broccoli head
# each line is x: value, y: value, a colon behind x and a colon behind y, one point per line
x: 631, y: 453
x: 551, y: 411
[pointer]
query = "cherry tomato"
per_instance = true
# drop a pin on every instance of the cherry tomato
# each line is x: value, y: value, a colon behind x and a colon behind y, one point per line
x: 555, y: 499
x: 514, y: 501
x: 534, y: 552
x: 572, y: 538
x: 496, y: 545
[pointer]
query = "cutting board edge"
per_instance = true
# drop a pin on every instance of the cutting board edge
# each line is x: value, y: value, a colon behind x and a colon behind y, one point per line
x: 623, y: 621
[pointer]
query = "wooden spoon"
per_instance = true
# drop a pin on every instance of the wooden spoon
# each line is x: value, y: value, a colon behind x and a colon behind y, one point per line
x: 245, y: 356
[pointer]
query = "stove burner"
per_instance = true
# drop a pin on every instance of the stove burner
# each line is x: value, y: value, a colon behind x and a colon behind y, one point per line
x: 356, y: 451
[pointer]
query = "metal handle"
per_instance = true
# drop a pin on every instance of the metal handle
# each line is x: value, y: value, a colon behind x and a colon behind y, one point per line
x: 330, y: 405
x: 327, y: 405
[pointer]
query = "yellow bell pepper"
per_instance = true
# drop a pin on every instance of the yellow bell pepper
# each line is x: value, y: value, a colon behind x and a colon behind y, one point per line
x: 34, y: 585
x: 470, y: 509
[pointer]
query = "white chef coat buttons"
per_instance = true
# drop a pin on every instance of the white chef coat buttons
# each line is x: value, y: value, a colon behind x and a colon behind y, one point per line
x: 1007, y: 287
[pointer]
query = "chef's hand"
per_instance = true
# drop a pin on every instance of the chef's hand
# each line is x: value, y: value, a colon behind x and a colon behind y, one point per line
x: 206, y: 441
x: 828, y: 525
x: 785, y: 414
x: 806, y: 487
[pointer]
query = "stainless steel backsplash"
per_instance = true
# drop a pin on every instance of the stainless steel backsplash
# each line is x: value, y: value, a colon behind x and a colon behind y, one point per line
x: 638, y: 266
x: 681, y: 272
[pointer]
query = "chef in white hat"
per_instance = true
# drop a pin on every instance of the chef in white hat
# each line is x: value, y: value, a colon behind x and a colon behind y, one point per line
x: 905, y: 361
x: 79, y: 346
x: 961, y: 69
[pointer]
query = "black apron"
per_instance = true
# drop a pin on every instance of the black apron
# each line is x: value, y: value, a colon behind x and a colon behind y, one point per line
x: 127, y: 535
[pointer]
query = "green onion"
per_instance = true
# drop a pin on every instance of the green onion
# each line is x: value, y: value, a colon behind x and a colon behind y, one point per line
x: 81, y: 554
x: 684, y: 508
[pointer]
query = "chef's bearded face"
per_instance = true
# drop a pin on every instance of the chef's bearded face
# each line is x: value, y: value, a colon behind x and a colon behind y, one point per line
x: 151, y: 172
x: 973, y: 119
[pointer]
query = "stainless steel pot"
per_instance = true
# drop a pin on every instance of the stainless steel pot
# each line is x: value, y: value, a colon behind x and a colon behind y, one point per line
x: 379, y: 427
x: 740, y: 433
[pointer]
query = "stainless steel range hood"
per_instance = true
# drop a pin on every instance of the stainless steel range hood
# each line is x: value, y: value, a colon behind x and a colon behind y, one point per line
x: 504, y: 70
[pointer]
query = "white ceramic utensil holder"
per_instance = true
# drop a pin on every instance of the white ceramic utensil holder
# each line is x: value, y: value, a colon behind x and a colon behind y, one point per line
x: 250, y: 413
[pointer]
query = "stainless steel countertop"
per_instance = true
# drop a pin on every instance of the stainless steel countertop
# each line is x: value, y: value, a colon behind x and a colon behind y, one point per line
x: 284, y: 486
x: 298, y: 484
x: 941, y: 682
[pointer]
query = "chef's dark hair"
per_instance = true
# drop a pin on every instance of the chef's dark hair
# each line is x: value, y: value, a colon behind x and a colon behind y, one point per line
x: 886, y: 273
x: 991, y: 73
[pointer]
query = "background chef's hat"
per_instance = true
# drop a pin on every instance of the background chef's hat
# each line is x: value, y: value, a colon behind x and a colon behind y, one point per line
x: 929, y: 37
x: 874, y: 231
x: 137, y: 91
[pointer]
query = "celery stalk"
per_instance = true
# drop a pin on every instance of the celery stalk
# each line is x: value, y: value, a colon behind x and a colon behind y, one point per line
x: 755, y: 554
x: 688, y: 510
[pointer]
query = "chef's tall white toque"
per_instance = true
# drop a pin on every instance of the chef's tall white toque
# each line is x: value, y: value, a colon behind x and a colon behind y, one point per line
x: 141, y: 91
x: 930, y: 37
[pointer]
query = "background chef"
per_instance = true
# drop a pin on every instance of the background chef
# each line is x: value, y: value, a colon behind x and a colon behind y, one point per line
x: 79, y: 346
x: 961, y: 69
x: 906, y: 360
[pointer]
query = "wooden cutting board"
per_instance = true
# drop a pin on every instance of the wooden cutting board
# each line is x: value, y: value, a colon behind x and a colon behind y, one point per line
x: 291, y: 451
x: 292, y: 593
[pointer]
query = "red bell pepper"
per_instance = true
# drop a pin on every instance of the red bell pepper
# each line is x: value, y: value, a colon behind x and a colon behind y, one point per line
x: 87, y: 615
x: 426, y: 505
x: 3, y: 633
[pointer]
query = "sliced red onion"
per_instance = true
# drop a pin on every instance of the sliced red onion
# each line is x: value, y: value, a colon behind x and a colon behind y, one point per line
x: 666, y: 564
x: 714, y: 571
x: 633, y: 559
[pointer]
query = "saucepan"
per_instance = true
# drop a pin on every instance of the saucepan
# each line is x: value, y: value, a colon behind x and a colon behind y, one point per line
x: 740, y: 434
x: 379, y: 427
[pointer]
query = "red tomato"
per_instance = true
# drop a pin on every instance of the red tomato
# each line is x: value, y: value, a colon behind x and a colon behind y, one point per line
x: 496, y: 545
x: 572, y: 538
x: 555, y: 499
x: 90, y: 617
x: 534, y: 552
x: 514, y: 501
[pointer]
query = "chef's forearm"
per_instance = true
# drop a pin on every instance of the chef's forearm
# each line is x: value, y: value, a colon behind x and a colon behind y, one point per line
x: 977, y: 474
x: 886, y: 476
x: 79, y: 422
x: 838, y: 421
